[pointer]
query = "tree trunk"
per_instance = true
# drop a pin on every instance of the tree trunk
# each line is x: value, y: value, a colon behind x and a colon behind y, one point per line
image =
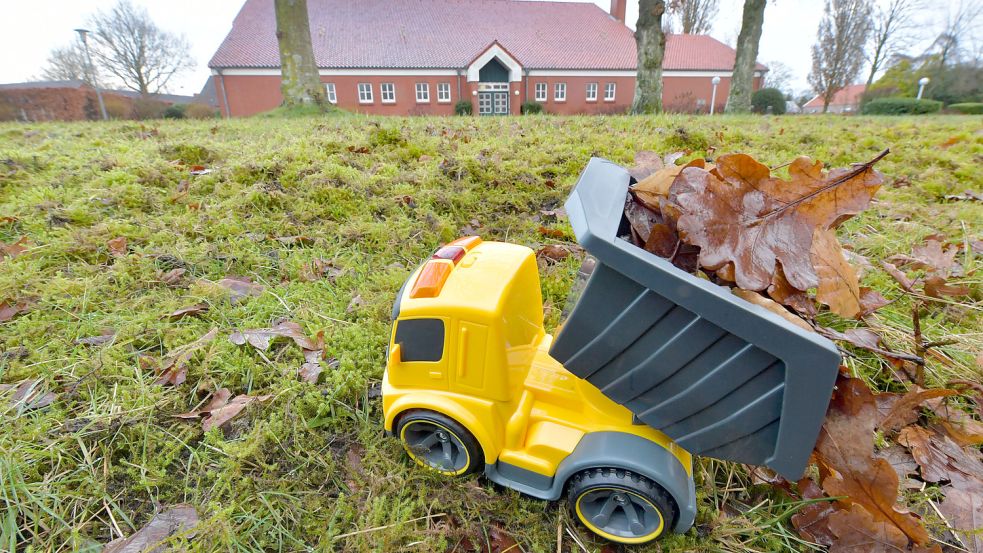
x: 651, y: 42
x: 742, y: 80
x: 300, y: 80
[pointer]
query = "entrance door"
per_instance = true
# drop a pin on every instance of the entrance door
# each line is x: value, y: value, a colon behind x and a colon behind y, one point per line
x: 493, y: 103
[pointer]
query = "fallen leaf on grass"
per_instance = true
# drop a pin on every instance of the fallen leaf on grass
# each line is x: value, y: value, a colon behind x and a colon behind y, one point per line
x: 356, y: 302
x: 298, y: 240
x: 857, y: 530
x: 319, y: 268
x: 218, y: 399
x: 117, y: 246
x: 173, y: 276
x: 942, y: 460
x: 28, y: 395
x: 10, y: 309
x: 646, y: 163
x: 812, y: 520
x: 553, y: 252
x: 106, y: 336
x: 898, y: 275
x: 904, y: 410
x: 221, y: 408
x: 16, y: 248
x: 963, y: 509
x: 174, y: 367
x: 931, y: 255
x: 552, y: 232
x: 190, y: 311
x: 179, y: 519
x: 966, y: 195
x: 260, y: 338
x: 839, y: 287
x: 499, y: 541
x: 870, y: 301
x: 241, y: 287
x: 936, y: 287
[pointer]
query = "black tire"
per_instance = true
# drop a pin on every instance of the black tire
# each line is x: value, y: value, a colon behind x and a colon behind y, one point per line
x: 439, y: 443
x: 621, y: 506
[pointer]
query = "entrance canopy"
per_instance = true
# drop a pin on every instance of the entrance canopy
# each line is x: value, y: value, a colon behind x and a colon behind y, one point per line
x: 495, y: 55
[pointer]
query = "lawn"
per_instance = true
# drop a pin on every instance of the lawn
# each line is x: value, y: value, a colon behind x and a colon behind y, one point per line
x: 327, y: 216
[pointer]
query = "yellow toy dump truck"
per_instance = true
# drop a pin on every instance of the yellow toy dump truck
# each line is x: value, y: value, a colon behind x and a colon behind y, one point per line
x: 652, y: 365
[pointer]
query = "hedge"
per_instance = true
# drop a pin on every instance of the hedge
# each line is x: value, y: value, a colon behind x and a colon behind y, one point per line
x: 529, y: 108
x: 463, y: 107
x: 901, y: 106
x: 767, y: 98
x: 967, y: 108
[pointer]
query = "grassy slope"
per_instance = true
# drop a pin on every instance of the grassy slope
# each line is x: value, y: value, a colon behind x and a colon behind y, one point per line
x: 311, y: 463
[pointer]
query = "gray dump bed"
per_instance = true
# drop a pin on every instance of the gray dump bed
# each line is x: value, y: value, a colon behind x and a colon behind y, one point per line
x: 722, y: 377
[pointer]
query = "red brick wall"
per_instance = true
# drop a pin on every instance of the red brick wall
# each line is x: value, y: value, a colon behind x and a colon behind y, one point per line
x: 248, y: 95
x: 48, y: 104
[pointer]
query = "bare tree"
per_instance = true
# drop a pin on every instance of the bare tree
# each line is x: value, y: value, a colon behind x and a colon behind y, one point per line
x: 779, y: 76
x: 300, y: 80
x: 651, y: 43
x: 892, y: 28
x: 742, y: 79
x: 695, y: 16
x: 66, y: 63
x: 130, y: 46
x: 959, y: 27
x: 838, y: 54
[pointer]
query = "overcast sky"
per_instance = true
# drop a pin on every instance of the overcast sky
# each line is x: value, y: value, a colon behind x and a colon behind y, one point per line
x: 29, y: 30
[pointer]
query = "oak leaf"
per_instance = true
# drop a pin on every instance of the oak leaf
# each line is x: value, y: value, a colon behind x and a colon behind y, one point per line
x: 963, y: 509
x: 16, y: 248
x: 657, y: 184
x: 260, y: 338
x: 738, y: 213
x: 179, y: 519
x: 941, y: 459
x: 174, y: 368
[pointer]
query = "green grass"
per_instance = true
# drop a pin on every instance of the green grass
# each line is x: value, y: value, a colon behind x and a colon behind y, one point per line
x: 312, y: 464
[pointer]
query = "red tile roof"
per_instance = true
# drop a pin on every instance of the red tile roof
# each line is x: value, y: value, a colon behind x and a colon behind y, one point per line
x: 846, y: 96
x: 450, y: 33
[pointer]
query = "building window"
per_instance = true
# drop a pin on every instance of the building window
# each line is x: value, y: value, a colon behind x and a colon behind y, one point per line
x: 609, y: 90
x: 560, y: 92
x: 388, y: 93
x: 591, y: 92
x: 330, y: 91
x: 443, y: 92
x: 540, y: 92
x: 422, y: 92
x: 365, y: 93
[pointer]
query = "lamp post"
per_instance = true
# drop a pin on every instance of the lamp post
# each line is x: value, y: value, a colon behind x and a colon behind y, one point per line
x: 91, y: 71
x: 921, y: 86
x: 713, y: 95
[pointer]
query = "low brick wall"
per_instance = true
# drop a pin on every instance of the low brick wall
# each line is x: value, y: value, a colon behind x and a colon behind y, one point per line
x: 60, y: 104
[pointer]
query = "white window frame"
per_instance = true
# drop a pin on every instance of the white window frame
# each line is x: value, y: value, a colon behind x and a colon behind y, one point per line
x: 444, y: 93
x: 545, y: 89
x: 392, y: 93
x: 560, y: 92
x: 331, y: 93
x: 613, y: 88
x: 423, y: 98
x: 591, y: 88
x: 364, y: 98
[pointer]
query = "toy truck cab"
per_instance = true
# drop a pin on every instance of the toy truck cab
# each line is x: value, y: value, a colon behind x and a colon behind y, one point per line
x: 652, y: 363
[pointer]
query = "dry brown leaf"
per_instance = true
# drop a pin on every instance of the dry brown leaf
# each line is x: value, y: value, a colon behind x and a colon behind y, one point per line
x: 319, y: 268
x: 812, y: 520
x: 739, y: 213
x: 260, y: 338
x: 963, y: 509
x: 857, y: 531
x: 936, y: 287
x: 899, y: 276
x: 848, y: 466
x: 870, y: 301
x: 298, y: 240
x: 356, y: 302
x: 191, y: 310
x: 117, y: 246
x: 771, y: 305
x: 782, y: 291
x: 218, y: 416
x: 552, y: 233
x: 641, y: 219
x: 174, y: 367
x: 655, y: 186
x: 10, y: 309
x: 179, y: 519
x: 553, y: 252
x: 904, y: 410
x: 173, y: 276
x: 28, y: 395
x: 932, y: 256
x: 241, y: 287
x: 646, y: 163
x: 941, y: 459
x: 107, y: 335
x: 838, y: 284
x: 16, y: 248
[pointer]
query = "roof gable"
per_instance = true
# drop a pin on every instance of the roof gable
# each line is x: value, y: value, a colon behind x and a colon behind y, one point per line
x: 846, y: 96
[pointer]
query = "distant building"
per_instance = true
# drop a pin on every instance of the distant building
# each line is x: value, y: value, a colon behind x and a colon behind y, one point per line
x: 422, y: 56
x: 846, y: 100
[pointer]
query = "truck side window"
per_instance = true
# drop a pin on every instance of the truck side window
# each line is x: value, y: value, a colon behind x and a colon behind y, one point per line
x: 420, y: 339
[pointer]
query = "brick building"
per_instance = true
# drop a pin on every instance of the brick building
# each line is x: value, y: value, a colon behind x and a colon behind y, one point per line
x: 411, y: 57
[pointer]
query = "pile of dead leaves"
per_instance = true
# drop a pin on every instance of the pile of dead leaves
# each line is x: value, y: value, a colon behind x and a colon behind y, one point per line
x: 773, y: 242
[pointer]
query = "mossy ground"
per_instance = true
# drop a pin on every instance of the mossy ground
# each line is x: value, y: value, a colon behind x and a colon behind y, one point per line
x: 377, y: 195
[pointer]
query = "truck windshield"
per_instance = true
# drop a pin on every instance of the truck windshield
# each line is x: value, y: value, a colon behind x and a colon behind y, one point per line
x: 577, y: 289
x: 420, y: 339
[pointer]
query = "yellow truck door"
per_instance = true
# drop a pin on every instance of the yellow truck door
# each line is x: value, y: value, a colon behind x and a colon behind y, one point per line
x: 472, y: 343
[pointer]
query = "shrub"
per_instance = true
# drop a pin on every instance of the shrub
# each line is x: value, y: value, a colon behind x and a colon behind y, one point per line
x: 463, y: 107
x: 175, y: 111
x: 529, y: 108
x: 967, y: 108
x: 117, y: 107
x: 200, y: 111
x: 146, y: 108
x: 768, y: 100
x: 901, y: 106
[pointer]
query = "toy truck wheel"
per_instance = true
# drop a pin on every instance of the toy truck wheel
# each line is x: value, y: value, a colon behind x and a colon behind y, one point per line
x: 439, y: 443
x: 620, y: 506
